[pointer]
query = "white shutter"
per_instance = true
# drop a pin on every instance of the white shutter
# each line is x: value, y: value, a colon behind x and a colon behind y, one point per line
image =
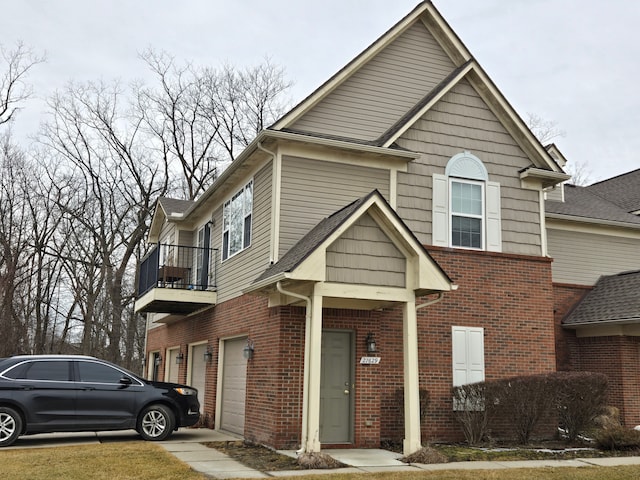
x: 494, y: 224
x: 459, y: 353
x: 468, y: 355
x: 475, y: 355
x: 440, y: 211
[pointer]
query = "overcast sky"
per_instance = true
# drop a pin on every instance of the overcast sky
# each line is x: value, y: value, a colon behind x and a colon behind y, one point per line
x: 575, y: 62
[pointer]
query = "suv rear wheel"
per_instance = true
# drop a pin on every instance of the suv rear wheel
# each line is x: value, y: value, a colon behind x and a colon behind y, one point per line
x: 156, y: 422
x: 10, y: 426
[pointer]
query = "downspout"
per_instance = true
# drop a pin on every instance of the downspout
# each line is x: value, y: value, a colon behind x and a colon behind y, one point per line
x: 305, y: 377
x: 543, y: 226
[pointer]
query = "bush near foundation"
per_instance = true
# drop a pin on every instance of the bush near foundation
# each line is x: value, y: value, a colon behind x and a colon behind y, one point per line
x: 522, y: 402
x: 469, y: 408
x: 575, y: 398
x: 580, y: 398
x: 618, y: 438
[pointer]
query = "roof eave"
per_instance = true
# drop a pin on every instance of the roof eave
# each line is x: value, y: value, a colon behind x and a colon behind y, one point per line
x: 547, y: 178
x: 591, y: 220
x: 623, y: 321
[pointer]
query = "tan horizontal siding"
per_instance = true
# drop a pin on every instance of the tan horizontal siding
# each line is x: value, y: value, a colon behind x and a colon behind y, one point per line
x: 462, y: 121
x: 365, y: 255
x: 314, y: 189
x: 237, y: 272
x: 581, y: 258
x: 378, y: 94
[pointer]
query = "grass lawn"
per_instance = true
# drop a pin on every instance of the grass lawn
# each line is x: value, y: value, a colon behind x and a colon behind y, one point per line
x: 148, y: 461
x: 104, y: 461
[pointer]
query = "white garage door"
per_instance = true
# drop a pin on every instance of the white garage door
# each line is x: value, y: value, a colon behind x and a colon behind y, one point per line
x: 234, y: 384
x: 198, y: 369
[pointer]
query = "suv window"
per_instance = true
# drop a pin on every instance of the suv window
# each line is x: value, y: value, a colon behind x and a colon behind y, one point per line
x: 51, y: 370
x: 94, y: 372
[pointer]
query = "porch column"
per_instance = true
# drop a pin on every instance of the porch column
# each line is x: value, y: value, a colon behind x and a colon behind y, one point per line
x: 315, y: 357
x: 412, y: 436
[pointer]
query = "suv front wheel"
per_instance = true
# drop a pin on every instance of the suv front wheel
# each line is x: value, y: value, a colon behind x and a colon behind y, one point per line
x: 156, y: 422
x: 10, y: 426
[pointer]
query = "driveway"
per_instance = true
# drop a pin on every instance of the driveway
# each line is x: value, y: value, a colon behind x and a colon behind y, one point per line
x: 47, y: 440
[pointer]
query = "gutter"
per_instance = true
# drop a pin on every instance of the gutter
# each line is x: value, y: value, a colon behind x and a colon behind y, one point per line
x: 275, y: 134
x: 305, y: 379
x: 591, y: 220
x: 621, y: 321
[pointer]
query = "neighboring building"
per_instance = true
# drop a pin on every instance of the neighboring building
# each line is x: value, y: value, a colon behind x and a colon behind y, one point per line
x: 385, y: 237
x: 594, y: 239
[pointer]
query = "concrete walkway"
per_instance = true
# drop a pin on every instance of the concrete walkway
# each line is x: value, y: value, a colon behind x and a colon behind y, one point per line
x: 186, y: 445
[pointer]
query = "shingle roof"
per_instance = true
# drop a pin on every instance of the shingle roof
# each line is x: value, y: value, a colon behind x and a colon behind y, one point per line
x: 312, y: 240
x: 174, y: 205
x: 623, y: 190
x: 615, y: 298
x: 581, y: 202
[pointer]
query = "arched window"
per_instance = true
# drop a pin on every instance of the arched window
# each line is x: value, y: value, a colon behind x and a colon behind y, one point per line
x: 466, y: 206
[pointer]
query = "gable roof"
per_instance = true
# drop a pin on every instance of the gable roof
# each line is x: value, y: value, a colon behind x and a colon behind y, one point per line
x: 467, y: 68
x: 623, y: 190
x: 580, y: 203
x: 322, y: 234
x: 167, y: 208
x: 174, y: 206
x: 614, y: 299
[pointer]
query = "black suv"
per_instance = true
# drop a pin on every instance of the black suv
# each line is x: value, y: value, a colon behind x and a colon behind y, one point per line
x: 73, y: 393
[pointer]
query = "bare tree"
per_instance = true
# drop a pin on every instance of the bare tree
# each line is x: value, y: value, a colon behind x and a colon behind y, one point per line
x: 114, y: 185
x: 15, y: 64
x: 544, y: 130
x: 204, y: 117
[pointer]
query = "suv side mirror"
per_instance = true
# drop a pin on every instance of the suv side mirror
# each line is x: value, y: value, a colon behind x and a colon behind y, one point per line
x: 125, y: 381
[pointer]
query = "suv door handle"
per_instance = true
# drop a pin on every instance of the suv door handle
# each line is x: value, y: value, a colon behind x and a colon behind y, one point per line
x: 86, y: 389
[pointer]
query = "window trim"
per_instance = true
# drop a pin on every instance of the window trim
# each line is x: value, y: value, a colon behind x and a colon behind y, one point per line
x: 247, y: 235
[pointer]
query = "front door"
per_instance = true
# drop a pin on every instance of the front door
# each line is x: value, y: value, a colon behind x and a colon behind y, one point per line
x: 336, y: 388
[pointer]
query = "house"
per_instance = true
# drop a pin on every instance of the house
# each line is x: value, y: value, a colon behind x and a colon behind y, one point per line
x: 383, y: 241
x: 594, y: 238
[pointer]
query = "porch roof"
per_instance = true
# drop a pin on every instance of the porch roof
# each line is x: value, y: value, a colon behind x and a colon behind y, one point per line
x: 325, y: 232
x: 614, y: 299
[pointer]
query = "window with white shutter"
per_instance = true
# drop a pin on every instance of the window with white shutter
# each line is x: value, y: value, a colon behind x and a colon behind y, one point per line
x: 466, y: 206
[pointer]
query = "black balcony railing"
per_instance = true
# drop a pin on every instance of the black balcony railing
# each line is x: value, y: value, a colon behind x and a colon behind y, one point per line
x: 176, y: 266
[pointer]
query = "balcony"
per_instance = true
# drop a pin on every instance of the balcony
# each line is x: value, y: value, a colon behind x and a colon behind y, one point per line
x: 176, y: 280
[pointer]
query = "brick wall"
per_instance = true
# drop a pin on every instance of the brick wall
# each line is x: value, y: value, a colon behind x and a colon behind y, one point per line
x: 509, y: 296
x: 565, y: 298
x: 618, y: 357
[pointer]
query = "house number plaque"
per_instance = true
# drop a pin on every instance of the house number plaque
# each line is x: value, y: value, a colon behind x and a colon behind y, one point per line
x: 370, y: 360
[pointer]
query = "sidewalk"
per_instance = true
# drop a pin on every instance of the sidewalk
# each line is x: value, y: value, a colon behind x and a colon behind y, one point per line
x: 215, y: 464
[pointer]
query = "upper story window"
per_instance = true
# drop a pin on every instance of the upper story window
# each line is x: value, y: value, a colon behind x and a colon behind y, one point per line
x: 466, y: 206
x: 236, y: 222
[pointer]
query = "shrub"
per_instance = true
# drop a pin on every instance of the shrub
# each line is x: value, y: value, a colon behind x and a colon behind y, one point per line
x: 580, y: 398
x: 523, y: 401
x: 424, y: 402
x: 469, y: 410
x: 318, y: 461
x: 426, y: 455
x: 618, y: 438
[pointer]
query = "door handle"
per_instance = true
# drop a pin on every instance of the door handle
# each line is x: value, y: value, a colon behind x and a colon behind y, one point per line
x: 346, y: 392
